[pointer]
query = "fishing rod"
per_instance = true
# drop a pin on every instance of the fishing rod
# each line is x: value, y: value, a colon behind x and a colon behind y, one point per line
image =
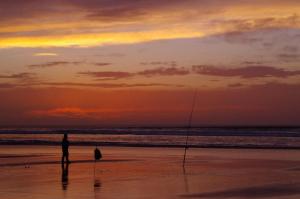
x: 189, y: 127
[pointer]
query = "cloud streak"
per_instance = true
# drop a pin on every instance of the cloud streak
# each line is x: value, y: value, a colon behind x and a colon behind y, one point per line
x: 163, y: 71
x: 45, y: 54
x: 17, y: 76
x: 106, y: 85
x: 115, y: 75
x: 102, y: 64
x: 68, y: 112
x: 160, y: 63
x: 88, y: 85
x: 81, y: 113
x: 289, y: 57
x: 107, y: 75
x: 237, y: 26
x: 247, y: 72
x: 66, y: 63
x: 53, y: 64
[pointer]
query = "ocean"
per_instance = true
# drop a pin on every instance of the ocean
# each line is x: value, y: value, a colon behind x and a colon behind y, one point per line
x: 214, y: 137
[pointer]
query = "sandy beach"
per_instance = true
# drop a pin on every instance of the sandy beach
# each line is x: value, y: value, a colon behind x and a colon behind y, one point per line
x: 124, y: 172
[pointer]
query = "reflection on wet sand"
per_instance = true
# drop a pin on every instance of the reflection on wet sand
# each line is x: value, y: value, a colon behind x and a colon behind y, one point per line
x: 97, y: 184
x: 150, y: 173
x: 97, y: 181
x: 264, y: 191
x: 64, y: 176
x: 185, y: 179
x: 97, y: 187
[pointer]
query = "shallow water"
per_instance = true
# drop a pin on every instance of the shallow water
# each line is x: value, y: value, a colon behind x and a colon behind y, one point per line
x: 155, y: 140
x: 35, y: 172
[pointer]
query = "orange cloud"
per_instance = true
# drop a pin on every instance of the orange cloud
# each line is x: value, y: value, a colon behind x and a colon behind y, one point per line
x: 98, y: 114
x: 75, y: 113
x: 63, y: 112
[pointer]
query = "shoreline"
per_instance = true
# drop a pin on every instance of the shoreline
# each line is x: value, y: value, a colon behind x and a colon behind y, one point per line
x: 145, y: 145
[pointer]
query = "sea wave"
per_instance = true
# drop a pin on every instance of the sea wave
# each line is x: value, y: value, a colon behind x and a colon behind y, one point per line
x: 154, y: 140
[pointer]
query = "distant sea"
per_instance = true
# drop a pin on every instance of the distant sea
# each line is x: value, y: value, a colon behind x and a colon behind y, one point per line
x: 214, y: 137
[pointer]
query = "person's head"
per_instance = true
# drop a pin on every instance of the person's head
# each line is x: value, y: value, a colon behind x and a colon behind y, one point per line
x: 65, y: 136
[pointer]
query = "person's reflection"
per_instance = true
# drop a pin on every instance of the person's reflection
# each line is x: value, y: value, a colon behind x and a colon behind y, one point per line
x: 97, y: 184
x: 64, y: 175
x: 97, y: 187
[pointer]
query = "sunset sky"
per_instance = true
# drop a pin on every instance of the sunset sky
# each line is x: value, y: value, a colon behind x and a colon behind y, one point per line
x: 139, y: 62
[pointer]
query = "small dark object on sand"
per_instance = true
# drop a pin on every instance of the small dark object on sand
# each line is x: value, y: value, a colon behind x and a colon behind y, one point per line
x: 97, y: 154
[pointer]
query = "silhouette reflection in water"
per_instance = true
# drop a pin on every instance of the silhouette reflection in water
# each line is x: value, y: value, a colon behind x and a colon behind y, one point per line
x: 97, y: 184
x: 97, y: 187
x: 64, y: 175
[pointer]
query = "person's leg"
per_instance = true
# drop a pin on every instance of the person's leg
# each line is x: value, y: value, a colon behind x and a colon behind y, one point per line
x: 67, y: 157
x: 64, y: 156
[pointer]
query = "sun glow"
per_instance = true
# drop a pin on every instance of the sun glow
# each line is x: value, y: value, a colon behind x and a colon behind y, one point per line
x: 87, y: 40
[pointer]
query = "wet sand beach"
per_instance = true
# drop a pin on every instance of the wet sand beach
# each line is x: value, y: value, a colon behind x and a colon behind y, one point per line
x: 124, y: 172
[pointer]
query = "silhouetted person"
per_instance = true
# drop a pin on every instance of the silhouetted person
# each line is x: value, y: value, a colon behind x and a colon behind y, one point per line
x: 65, y: 149
x: 64, y: 176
